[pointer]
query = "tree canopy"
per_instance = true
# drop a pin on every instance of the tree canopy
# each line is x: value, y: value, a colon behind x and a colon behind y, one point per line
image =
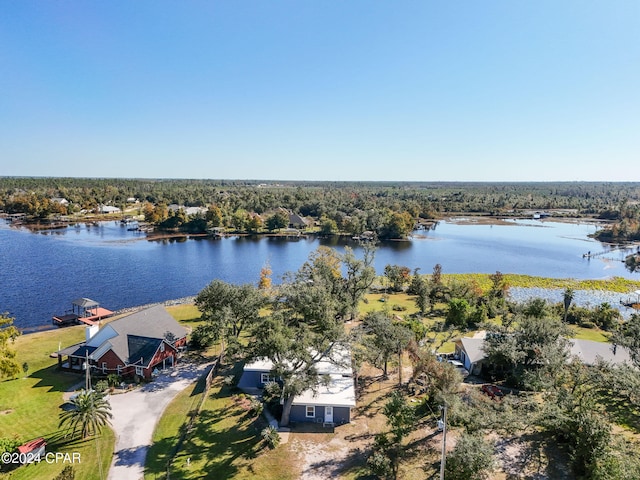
x: 9, y: 366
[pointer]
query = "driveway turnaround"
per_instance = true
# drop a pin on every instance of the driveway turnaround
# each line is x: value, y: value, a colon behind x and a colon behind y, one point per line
x: 135, y: 415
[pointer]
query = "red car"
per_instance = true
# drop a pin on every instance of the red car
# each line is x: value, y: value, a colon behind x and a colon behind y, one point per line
x: 493, y: 391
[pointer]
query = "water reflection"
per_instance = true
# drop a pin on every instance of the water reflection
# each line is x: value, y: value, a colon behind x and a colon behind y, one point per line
x: 119, y: 268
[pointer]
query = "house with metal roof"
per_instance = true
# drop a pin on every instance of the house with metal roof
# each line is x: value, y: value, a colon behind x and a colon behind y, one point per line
x: 134, y: 345
x: 330, y: 402
x: 471, y: 353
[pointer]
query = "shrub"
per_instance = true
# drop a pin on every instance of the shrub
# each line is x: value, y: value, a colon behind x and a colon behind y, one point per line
x: 114, y: 380
x: 9, y: 444
x: 102, y: 386
x: 587, y: 324
x: 256, y: 407
x: 472, y: 457
x: 67, y: 473
x: 271, y: 436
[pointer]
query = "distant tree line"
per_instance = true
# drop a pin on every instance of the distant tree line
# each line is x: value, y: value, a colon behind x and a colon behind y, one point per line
x: 388, y: 209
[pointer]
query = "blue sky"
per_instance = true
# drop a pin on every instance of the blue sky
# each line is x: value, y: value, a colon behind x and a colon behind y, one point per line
x: 321, y: 90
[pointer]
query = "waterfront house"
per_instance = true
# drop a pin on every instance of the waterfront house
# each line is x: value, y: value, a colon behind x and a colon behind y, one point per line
x: 134, y: 345
x: 108, y: 209
x: 60, y: 201
x: 330, y: 402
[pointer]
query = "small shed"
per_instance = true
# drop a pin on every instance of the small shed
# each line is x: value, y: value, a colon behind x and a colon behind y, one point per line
x: 32, y: 450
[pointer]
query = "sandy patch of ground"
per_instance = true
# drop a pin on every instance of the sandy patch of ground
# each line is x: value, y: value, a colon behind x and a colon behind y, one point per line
x: 323, y: 460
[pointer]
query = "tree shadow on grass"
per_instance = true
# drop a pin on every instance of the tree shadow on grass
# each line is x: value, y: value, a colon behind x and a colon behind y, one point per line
x: 55, y: 380
x: 159, y: 455
x: 622, y: 412
x: 220, y: 438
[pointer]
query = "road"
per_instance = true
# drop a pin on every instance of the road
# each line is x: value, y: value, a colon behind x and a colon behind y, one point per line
x: 135, y: 415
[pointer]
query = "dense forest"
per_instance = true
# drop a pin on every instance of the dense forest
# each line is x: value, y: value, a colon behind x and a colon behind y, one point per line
x: 388, y: 209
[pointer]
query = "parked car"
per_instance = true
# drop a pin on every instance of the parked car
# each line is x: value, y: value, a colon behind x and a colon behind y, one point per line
x: 459, y: 367
x: 493, y: 391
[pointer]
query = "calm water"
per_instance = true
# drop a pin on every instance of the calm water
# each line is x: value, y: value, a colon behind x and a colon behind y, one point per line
x: 41, y: 273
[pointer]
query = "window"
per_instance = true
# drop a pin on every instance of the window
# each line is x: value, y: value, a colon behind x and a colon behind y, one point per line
x: 311, y: 411
x: 162, y: 347
x: 104, y: 367
x: 140, y: 371
x: 119, y: 369
x: 266, y: 378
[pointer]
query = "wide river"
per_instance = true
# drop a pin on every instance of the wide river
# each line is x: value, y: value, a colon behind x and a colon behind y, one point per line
x: 41, y: 273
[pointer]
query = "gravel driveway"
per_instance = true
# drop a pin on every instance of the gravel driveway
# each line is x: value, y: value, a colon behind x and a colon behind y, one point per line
x: 135, y: 415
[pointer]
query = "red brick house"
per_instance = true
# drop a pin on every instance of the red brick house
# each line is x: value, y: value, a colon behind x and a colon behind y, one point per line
x: 133, y: 345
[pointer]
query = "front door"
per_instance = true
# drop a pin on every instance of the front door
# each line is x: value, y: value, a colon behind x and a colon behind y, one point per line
x: 328, y: 414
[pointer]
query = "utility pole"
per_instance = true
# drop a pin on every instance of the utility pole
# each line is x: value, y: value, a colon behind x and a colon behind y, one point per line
x: 443, y: 459
x: 87, y: 375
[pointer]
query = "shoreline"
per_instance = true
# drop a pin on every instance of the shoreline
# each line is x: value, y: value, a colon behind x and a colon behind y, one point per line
x: 122, y: 311
x: 545, y: 287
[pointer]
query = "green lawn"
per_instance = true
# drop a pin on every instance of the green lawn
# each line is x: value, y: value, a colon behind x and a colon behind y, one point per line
x: 173, y: 422
x: 31, y: 406
x: 225, y: 441
x: 594, y: 334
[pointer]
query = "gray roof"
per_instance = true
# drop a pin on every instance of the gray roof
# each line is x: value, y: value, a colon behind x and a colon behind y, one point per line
x: 154, y: 322
x: 473, y: 347
x: 147, y: 326
x: 142, y: 349
x: 85, y: 303
x: 296, y: 219
x: 137, y: 336
x: 589, y: 351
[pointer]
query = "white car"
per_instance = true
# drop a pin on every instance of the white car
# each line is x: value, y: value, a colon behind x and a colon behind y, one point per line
x: 460, y: 367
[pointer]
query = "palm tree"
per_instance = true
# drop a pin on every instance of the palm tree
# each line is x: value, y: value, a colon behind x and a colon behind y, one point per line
x: 91, y: 411
x: 567, y: 298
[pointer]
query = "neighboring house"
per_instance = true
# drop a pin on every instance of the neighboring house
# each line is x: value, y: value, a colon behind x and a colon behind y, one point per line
x: 108, y: 209
x: 188, y: 211
x: 589, y: 352
x: 295, y: 220
x: 60, y: 200
x: 329, y: 402
x: 471, y: 354
x: 133, y: 345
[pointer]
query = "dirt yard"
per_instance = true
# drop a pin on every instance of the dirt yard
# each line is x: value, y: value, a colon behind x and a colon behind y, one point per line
x: 343, y: 453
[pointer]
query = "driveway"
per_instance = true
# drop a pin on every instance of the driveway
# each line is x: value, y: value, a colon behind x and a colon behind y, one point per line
x: 135, y: 415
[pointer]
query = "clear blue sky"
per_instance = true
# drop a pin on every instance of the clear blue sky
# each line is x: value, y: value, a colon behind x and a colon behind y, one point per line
x: 321, y: 90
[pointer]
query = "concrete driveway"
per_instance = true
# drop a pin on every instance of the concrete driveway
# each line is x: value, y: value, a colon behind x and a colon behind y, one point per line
x: 135, y: 415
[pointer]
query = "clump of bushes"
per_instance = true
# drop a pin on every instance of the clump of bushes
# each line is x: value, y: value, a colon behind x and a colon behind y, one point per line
x: 271, y: 436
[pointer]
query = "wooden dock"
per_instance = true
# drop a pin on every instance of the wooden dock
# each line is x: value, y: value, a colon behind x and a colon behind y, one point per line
x: 75, y: 319
x: 84, y: 310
